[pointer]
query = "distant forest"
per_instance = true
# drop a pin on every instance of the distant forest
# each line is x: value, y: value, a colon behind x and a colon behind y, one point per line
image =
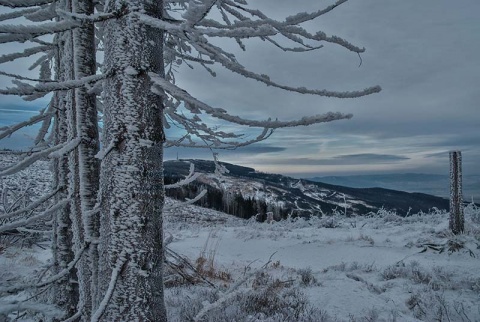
x: 230, y: 203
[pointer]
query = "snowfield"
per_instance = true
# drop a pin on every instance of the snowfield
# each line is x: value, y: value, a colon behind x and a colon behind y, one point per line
x: 381, y: 268
x: 221, y: 268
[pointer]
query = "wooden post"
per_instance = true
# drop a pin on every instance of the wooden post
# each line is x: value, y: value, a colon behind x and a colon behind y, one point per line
x: 456, y: 202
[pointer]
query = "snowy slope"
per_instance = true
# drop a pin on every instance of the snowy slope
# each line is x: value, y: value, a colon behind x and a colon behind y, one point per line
x: 305, y: 197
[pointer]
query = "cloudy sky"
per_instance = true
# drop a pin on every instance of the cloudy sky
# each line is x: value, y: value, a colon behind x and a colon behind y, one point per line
x: 425, y: 54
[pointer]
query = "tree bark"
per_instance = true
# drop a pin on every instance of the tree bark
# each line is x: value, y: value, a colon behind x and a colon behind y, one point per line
x: 131, y: 179
x: 85, y: 126
x: 65, y: 291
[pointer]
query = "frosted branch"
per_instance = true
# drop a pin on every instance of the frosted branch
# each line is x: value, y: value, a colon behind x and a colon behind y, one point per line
x: 23, y: 3
x: 24, y: 89
x: 219, y: 56
x: 32, y: 206
x: 192, y: 176
x: 87, y: 18
x: 44, y: 214
x: 230, y: 293
x: 20, y: 77
x: 188, y: 202
x: 50, y: 280
x: 26, y: 53
x: 33, y: 120
x: 197, y: 11
x: 16, y: 14
x: 25, y: 163
x: 42, y: 132
x: 24, y: 32
x: 221, y: 113
x: 159, y: 23
x: 50, y: 311
x: 42, y: 14
x: 67, y: 148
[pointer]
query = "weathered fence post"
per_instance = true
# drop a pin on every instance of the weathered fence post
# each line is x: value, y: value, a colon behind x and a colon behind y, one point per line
x: 456, y: 200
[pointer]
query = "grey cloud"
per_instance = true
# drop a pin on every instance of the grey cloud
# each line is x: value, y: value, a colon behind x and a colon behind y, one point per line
x: 190, y: 153
x: 348, y: 159
x: 255, y: 149
x: 370, y: 157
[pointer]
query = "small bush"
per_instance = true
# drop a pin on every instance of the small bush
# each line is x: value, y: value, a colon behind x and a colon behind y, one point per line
x: 394, y: 272
x: 306, y: 277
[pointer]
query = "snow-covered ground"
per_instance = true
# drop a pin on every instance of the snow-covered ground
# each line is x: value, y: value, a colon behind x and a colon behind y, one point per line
x: 381, y: 268
x: 378, y: 268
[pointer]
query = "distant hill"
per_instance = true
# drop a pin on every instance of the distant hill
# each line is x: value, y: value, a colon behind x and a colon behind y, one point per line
x: 286, y: 195
x: 437, y: 185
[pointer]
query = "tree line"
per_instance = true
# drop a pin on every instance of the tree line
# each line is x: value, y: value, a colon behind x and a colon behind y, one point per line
x: 228, y: 202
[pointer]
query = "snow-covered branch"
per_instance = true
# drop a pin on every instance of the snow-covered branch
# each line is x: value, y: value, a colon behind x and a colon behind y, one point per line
x: 192, y: 176
x: 220, y: 56
x: 20, y: 77
x: 35, y: 156
x: 27, y: 221
x: 183, y: 95
x: 17, y: 14
x: 67, y: 148
x: 50, y: 311
x: 26, y: 53
x: 32, y: 206
x: 87, y: 18
x: 33, y: 120
x: 14, y: 33
x: 43, y: 13
x: 188, y: 202
x: 23, y: 3
x: 24, y: 89
x: 230, y: 293
x: 52, y: 279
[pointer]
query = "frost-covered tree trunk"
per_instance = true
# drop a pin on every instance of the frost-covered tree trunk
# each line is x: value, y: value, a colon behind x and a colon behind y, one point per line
x: 84, y: 119
x: 131, y: 179
x: 65, y: 291
x: 456, y: 200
